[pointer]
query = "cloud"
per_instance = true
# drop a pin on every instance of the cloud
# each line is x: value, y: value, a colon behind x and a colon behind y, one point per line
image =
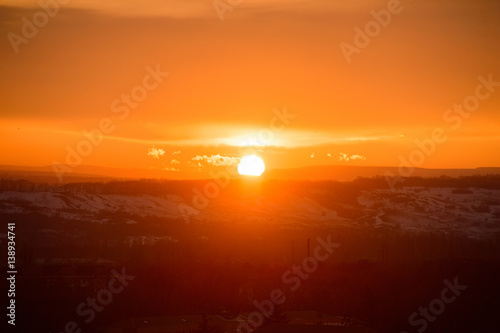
x: 329, y: 155
x: 176, y: 152
x: 172, y: 163
x: 155, y: 152
x: 345, y: 157
x: 312, y: 155
x: 184, y: 9
x: 357, y: 157
x: 216, y: 160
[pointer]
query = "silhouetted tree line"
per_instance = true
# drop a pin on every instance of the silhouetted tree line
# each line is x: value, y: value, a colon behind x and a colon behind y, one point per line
x: 21, y: 185
x: 491, y: 181
x: 184, y: 187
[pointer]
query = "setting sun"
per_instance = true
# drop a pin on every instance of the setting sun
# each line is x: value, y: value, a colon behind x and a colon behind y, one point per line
x: 251, y: 165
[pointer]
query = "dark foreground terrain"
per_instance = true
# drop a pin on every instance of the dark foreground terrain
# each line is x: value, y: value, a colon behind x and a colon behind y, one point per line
x: 150, y: 256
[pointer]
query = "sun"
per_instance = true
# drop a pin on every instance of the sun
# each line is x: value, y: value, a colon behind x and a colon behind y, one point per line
x: 251, y: 165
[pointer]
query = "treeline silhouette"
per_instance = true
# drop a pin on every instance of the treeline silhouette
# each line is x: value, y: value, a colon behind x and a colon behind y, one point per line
x: 163, y: 186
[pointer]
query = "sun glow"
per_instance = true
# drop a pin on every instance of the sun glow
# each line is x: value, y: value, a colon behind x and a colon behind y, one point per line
x: 251, y: 165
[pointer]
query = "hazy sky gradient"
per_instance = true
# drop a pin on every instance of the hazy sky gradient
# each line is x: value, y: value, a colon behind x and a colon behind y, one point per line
x: 226, y: 77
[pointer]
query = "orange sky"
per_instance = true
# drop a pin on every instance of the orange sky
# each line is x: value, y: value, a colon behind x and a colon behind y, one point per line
x: 228, y: 79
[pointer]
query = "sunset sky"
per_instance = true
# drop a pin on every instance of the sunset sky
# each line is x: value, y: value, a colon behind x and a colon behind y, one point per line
x: 270, y: 74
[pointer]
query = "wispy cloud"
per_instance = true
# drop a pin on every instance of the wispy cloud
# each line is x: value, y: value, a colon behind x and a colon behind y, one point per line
x: 216, y: 160
x: 182, y: 8
x: 345, y: 157
x: 156, y: 152
x: 172, y: 165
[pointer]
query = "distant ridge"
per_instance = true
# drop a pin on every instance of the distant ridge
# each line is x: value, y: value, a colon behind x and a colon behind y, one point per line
x: 313, y: 173
x: 349, y: 172
x: 81, y: 173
